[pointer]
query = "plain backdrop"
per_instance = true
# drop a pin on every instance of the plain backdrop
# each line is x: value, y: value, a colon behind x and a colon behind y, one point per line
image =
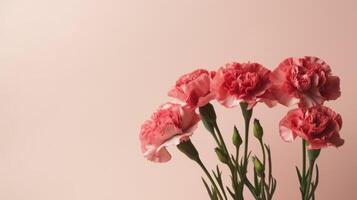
x: 78, y: 77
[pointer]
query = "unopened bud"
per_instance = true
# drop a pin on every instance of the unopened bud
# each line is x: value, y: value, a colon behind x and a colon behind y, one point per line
x: 257, y: 130
x: 236, y: 139
x: 221, y: 155
x: 258, y: 166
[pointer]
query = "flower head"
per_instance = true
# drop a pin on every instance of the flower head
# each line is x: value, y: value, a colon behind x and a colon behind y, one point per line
x: 193, y: 88
x: 318, y: 125
x: 169, y: 125
x: 236, y: 82
x: 305, y: 81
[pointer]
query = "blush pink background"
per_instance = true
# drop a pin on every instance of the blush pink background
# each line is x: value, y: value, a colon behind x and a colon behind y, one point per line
x: 78, y: 77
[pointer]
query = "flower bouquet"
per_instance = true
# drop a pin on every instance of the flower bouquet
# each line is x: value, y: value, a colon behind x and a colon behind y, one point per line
x: 302, y: 82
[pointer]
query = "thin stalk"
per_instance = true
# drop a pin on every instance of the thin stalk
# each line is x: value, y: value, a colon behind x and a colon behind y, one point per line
x: 237, y: 156
x: 209, y: 177
x: 309, y: 177
x: 303, y: 159
x: 247, y: 114
x: 303, y: 175
x: 246, y: 139
x: 263, y: 177
x: 236, y: 171
x: 216, y: 139
x: 223, y: 144
x: 263, y: 151
x: 263, y: 187
x: 230, y: 163
x: 250, y: 187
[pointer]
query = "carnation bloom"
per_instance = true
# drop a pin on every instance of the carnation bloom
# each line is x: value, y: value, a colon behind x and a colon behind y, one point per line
x: 236, y: 82
x: 306, y: 81
x: 169, y: 125
x: 193, y: 88
x: 318, y: 125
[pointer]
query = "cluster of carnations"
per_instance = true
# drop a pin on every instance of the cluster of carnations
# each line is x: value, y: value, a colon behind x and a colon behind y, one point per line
x: 304, y: 82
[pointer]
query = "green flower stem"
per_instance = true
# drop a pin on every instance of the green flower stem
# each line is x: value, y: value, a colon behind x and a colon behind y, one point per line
x: 303, y: 159
x: 263, y: 197
x: 237, y: 156
x: 247, y: 114
x: 188, y: 148
x: 250, y: 186
x: 272, y: 182
x: 303, y: 175
x: 246, y: 139
x: 230, y: 163
x: 223, y: 144
x: 309, y: 177
x: 263, y: 177
x: 310, y: 186
x: 263, y: 150
x: 199, y: 162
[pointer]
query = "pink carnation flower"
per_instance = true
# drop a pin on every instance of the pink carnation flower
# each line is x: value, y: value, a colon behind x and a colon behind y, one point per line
x: 247, y: 82
x: 168, y: 126
x: 193, y: 88
x: 319, y: 125
x: 307, y: 81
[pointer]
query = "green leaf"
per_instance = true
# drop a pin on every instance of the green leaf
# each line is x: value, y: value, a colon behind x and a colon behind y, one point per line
x: 214, y: 194
x: 246, y: 160
x: 273, y: 187
x: 270, y: 163
x: 315, y: 184
x: 234, y: 160
x: 230, y: 192
x: 317, y: 176
x: 207, y: 188
x: 299, y: 174
x: 218, y: 176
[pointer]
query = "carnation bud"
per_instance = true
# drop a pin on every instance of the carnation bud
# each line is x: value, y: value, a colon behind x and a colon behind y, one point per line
x: 258, y: 166
x: 221, y: 155
x: 236, y: 139
x: 188, y: 149
x: 257, y: 130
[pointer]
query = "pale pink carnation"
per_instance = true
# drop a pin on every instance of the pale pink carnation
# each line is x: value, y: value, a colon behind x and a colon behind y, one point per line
x: 193, y: 88
x: 169, y: 125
